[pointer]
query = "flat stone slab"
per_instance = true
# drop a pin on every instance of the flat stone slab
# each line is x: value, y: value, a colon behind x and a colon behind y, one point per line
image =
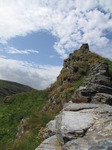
x: 77, y: 107
x: 70, y: 124
x: 76, y: 121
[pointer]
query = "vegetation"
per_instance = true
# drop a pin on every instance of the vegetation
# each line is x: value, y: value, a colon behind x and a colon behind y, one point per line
x: 25, y: 105
x: 109, y: 62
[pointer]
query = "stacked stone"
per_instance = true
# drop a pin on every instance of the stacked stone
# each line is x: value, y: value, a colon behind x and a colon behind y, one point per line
x: 80, y: 127
x: 97, y: 87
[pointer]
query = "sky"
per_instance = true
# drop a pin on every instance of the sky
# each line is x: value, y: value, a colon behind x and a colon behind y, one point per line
x: 37, y: 35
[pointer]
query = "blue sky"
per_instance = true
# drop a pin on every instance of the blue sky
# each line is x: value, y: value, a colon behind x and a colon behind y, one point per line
x: 41, y: 46
x: 36, y: 36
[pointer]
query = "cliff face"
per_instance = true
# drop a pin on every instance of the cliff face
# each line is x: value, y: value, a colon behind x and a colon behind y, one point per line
x: 76, y: 68
x: 97, y: 87
x: 84, y: 123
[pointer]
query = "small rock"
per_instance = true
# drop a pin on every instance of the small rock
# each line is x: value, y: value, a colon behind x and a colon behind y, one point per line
x: 50, y: 144
x: 50, y: 129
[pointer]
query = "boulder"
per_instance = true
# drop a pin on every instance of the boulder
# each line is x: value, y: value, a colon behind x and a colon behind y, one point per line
x: 85, y: 127
x: 71, y: 125
x: 50, y: 144
x: 50, y: 129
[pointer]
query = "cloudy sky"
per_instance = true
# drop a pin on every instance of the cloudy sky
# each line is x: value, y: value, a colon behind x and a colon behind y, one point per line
x: 36, y: 35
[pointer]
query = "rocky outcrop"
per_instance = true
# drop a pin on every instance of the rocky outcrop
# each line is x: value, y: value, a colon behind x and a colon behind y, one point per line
x: 84, y: 123
x: 97, y: 88
x: 92, y: 124
x: 22, y: 129
x: 82, y: 127
x: 74, y: 69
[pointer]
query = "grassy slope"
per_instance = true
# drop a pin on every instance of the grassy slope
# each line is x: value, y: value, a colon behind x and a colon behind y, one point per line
x: 25, y: 105
x: 9, y: 88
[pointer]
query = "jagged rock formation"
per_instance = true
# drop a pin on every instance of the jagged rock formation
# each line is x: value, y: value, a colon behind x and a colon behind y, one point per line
x: 97, y: 88
x: 74, y: 71
x: 85, y: 123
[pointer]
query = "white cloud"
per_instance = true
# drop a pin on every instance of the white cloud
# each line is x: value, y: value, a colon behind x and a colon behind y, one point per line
x: 2, y: 56
x: 12, y: 50
x: 36, y: 76
x: 51, y: 56
x: 66, y: 19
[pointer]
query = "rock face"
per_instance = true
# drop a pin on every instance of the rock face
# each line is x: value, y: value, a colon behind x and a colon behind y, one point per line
x: 97, y: 88
x: 21, y: 128
x: 82, y: 127
x: 85, y: 123
x: 94, y: 126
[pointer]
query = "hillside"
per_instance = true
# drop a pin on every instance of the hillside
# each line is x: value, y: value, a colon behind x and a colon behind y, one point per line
x: 9, y: 88
x: 23, y: 119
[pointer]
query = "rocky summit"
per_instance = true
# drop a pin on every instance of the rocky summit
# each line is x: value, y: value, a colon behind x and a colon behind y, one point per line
x: 85, y: 122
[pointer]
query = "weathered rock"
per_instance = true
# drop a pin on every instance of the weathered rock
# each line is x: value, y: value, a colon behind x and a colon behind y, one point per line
x: 50, y: 144
x: 82, y: 144
x: 73, y: 124
x: 94, y: 123
x: 83, y: 126
x: 22, y: 128
x: 102, y: 145
x: 103, y: 98
x: 78, y: 144
x: 97, y: 82
x: 77, y: 107
x: 88, y: 125
x: 50, y: 129
x: 84, y: 47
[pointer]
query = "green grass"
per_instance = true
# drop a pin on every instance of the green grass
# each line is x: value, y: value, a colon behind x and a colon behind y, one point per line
x: 71, y: 90
x: 109, y: 62
x: 25, y: 105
